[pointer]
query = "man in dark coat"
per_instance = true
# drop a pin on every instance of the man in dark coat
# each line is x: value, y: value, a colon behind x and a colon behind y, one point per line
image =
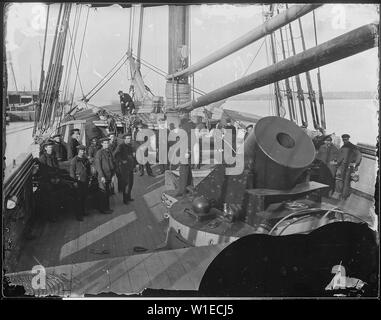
x: 60, y: 148
x: 348, y: 161
x: 48, y: 158
x: 126, y: 103
x: 147, y: 165
x: 229, y: 126
x: 113, y: 142
x: 111, y: 124
x: 105, y: 166
x: 73, y: 143
x: 93, y: 149
x: 185, y: 170
x: 80, y: 171
x: 125, y: 164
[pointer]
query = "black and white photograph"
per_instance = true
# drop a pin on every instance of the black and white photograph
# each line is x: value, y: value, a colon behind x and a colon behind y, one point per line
x: 190, y: 151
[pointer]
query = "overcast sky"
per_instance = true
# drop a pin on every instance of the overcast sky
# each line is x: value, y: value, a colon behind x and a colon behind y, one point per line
x: 106, y: 40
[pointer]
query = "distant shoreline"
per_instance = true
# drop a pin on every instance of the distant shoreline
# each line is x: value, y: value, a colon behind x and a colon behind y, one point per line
x: 361, y: 95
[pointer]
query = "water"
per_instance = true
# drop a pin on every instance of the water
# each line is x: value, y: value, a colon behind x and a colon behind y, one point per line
x: 359, y: 118
x: 18, y: 139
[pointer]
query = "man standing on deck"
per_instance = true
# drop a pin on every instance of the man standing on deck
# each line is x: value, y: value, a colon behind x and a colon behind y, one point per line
x: 185, y: 170
x: 113, y: 142
x: 126, y: 103
x: 111, y: 124
x: 125, y: 164
x: 105, y: 166
x: 80, y: 171
x: 147, y: 165
x: 59, y: 148
x: 328, y: 154
x: 48, y: 158
x: 348, y: 161
x: 229, y: 127
x: 73, y: 143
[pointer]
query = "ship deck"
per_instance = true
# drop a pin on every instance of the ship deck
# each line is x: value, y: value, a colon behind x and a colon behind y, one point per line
x: 141, y: 223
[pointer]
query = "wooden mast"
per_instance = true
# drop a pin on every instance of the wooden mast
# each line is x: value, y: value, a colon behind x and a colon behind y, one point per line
x: 178, y: 33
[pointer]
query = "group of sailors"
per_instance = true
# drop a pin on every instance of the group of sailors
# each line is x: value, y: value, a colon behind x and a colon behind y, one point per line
x: 342, y: 164
x: 100, y: 168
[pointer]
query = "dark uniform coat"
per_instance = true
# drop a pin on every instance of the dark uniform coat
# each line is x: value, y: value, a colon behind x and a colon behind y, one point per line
x: 105, y: 167
x: 105, y: 164
x: 80, y: 169
x: 60, y: 149
x: 348, y: 161
x: 92, y: 151
x: 125, y: 164
x: 49, y: 160
x: 72, y: 150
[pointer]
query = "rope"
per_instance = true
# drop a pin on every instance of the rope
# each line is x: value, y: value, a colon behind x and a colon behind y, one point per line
x: 39, y: 107
x: 49, y: 73
x: 70, y: 53
x: 80, y: 57
x: 254, y: 58
x: 87, y: 99
x: 123, y: 57
x: 55, y: 69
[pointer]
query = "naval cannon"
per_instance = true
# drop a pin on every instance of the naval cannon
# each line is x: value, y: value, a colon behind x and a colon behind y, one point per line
x: 277, y: 152
x: 277, y: 155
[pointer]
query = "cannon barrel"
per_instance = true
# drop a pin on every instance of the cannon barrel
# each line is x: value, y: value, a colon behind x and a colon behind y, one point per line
x: 277, y: 152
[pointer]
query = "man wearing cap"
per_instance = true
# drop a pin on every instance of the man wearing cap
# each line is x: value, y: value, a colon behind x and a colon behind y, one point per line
x: 59, y: 148
x: 105, y: 166
x: 147, y: 165
x: 185, y: 170
x: 125, y: 164
x: 348, y: 161
x: 73, y: 143
x: 126, y: 103
x: 113, y: 141
x: 80, y: 171
x: 230, y: 128
x: 328, y: 154
x: 93, y: 149
x: 48, y: 157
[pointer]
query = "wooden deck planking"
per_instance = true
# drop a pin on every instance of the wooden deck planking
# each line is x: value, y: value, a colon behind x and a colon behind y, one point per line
x: 176, y: 272
x: 138, y: 274
x: 91, y: 277
x: 157, y: 272
x: 180, y: 269
x: 119, y: 277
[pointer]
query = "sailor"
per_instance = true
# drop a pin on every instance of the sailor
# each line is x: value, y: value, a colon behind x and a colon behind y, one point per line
x: 328, y: 154
x: 113, y: 141
x: 185, y: 170
x: 348, y: 161
x: 60, y: 148
x: 93, y: 149
x: 125, y: 163
x: 162, y: 126
x: 80, y: 171
x: 232, y: 128
x: 248, y: 129
x: 147, y: 165
x: 105, y: 166
x: 73, y: 143
x: 126, y: 103
x: 48, y: 158
x: 111, y: 124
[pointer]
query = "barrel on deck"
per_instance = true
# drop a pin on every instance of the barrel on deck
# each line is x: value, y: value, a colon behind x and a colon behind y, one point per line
x: 278, y: 152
